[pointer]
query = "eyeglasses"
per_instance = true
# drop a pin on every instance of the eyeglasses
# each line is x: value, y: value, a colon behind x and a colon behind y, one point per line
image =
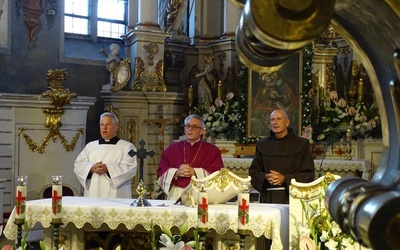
x: 190, y: 127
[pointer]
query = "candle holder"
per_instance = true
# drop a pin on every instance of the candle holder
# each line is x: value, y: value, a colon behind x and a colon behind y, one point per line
x: 56, y: 207
x: 190, y: 99
x: 20, y: 206
x: 141, y: 201
x: 202, y: 214
x: 19, y: 223
x: 56, y: 233
x: 348, y: 144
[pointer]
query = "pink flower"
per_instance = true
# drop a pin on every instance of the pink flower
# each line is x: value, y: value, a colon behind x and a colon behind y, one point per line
x: 351, y: 111
x: 341, y: 103
x: 7, y: 247
x: 186, y: 247
x: 372, y: 123
x: 363, y: 118
x: 212, y: 109
x: 333, y: 95
x: 230, y: 95
x: 307, y: 133
x: 218, y: 102
x: 306, y: 243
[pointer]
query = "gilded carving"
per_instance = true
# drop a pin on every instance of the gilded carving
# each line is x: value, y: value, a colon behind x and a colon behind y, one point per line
x: 221, y: 181
x: 59, y: 97
x: 132, y: 131
x: 152, y: 49
x: 312, y: 190
x: 122, y: 75
x: 330, y: 79
x: 149, y: 80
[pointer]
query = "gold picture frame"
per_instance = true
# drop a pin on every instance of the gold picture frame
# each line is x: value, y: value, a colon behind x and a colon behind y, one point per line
x: 122, y: 75
x: 267, y: 92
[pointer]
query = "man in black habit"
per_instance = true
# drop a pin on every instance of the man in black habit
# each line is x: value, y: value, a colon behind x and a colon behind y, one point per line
x: 280, y: 157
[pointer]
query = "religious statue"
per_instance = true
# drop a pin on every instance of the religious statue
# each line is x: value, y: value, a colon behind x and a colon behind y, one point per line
x: 113, y: 60
x: 207, y: 82
x: 172, y: 19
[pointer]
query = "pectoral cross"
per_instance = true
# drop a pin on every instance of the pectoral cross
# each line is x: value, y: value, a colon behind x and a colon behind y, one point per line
x: 141, y: 153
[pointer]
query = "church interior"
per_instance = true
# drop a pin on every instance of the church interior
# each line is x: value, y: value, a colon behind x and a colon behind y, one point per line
x: 154, y: 62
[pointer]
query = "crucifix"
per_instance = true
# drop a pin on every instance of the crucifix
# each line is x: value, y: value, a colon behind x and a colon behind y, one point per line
x: 141, y: 153
x: 161, y: 123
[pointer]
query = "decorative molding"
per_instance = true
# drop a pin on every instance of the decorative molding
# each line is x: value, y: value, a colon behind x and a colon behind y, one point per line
x: 122, y: 75
x: 132, y: 125
x: 59, y: 97
x: 149, y: 80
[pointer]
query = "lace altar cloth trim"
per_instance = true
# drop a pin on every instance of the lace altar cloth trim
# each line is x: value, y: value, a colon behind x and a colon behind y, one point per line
x: 265, y: 219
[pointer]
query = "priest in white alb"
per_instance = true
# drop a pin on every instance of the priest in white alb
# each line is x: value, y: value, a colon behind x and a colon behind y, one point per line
x: 104, y: 167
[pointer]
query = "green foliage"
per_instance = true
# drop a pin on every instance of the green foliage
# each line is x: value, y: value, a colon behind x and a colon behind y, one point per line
x: 337, y: 117
x: 321, y: 228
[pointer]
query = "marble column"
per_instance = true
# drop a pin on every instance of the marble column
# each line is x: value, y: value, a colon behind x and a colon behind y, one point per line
x: 232, y: 15
x: 323, y: 71
x: 145, y: 46
x: 147, y: 15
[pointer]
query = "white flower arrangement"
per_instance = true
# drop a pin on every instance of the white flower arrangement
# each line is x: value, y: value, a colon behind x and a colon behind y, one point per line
x: 337, y: 117
x: 174, y: 242
x: 221, y: 117
x: 321, y: 232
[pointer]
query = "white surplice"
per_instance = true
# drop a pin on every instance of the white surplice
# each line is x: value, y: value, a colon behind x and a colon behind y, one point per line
x: 121, y: 169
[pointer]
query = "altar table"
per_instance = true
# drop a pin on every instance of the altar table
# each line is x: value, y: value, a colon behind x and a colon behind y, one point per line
x: 269, y: 220
x: 240, y: 166
x: 344, y: 167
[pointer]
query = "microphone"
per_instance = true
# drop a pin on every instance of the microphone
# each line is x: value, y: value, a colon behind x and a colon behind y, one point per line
x: 322, y: 160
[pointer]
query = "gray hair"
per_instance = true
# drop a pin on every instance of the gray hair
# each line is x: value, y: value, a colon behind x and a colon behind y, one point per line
x: 109, y: 114
x: 194, y: 116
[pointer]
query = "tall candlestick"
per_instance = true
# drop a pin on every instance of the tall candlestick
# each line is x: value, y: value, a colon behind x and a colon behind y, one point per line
x: 219, y: 89
x: 20, y: 197
x: 243, y: 212
x: 190, y: 95
x: 348, y: 135
x: 360, y: 91
x: 202, y: 212
x: 56, y: 200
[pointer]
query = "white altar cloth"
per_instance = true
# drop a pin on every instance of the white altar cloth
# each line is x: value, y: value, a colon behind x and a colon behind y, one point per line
x: 265, y: 219
x: 344, y: 166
